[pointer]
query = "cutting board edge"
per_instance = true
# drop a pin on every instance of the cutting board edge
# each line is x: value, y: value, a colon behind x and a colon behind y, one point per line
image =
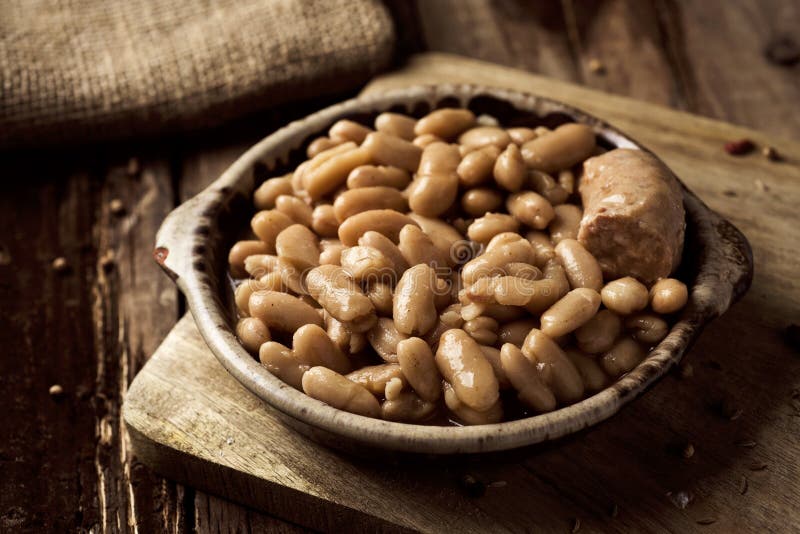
x: 232, y: 484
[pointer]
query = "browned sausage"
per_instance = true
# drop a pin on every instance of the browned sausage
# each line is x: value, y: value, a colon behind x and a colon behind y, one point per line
x: 633, y: 220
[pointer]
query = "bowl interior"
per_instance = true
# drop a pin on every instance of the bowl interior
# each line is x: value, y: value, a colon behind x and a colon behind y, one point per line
x: 234, y: 222
x: 221, y: 215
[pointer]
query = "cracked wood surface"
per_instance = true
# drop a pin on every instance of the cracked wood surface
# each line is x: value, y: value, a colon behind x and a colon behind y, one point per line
x: 64, y: 459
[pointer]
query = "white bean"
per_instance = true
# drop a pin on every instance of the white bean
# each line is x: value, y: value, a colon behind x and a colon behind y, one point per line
x: 312, y: 345
x: 401, y: 126
x: 299, y: 246
x: 581, y: 268
x: 594, y: 379
x: 556, y: 370
x: 467, y: 415
x: 435, y: 188
x: 367, y: 264
x: 384, y: 338
x: 622, y: 357
x: 523, y: 375
x: 566, y: 222
x: 253, y: 333
x: 414, y: 308
x: 648, y: 328
x: 531, y: 208
x: 334, y: 389
x: 625, y: 295
x: 281, y: 362
x: 462, y: 363
x: 375, y: 377
x: 281, y: 311
x: 668, y: 295
x: 572, y: 311
x: 419, y: 367
x: 407, y: 407
x: 599, y: 333
x: 341, y: 296
x: 446, y: 123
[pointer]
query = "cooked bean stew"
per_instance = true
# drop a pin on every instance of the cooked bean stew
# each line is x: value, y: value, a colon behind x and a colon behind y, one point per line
x: 439, y: 271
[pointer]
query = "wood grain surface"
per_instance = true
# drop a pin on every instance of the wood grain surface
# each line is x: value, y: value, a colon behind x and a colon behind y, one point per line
x: 703, y: 57
x: 717, y: 447
x: 65, y: 460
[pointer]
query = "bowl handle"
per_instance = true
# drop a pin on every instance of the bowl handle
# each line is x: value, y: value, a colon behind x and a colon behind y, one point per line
x: 177, y: 237
x: 726, y: 259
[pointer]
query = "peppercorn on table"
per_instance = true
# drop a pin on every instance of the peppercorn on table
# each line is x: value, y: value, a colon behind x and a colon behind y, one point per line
x: 711, y: 448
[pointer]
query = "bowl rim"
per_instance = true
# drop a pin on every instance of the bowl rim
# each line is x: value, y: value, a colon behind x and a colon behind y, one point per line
x: 724, y: 272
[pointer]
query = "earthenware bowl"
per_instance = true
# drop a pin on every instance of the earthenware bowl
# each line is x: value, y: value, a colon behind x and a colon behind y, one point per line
x: 193, y: 242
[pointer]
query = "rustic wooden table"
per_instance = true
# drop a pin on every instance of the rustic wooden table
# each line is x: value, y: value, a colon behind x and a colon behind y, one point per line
x: 89, y: 327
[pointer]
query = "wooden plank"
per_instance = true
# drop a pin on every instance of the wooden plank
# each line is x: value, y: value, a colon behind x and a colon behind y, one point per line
x: 134, y: 308
x: 561, y: 39
x: 701, y: 57
x: 189, y: 419
x: 46, y: 459
x: 219, y: 516
x: 65, y: 458
x: 525, y: 35
x: 720, y: 52
x: 625, y: 41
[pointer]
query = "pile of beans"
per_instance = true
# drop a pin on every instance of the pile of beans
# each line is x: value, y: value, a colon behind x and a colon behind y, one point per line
x: 429, y: 271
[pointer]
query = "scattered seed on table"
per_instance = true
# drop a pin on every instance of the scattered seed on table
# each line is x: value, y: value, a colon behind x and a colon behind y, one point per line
x: 743, y: 485
x: 596, y: 66
x: 576, y: 525
x: 747, y: 444
x: 497, y: 484
x: 739, y: 147
x: 770, y: 153
x: 60, y: 264
x: 681, y: 499
x: 757, y: 466
x: 56, y: 390
x: 614, y: 512
x: 688, y: 451
x: 760, y: 185
x: 686, y: 371
x: 116, y: 206
x: 706, y: 521
x: 729, y: 193
x: 133, y: 166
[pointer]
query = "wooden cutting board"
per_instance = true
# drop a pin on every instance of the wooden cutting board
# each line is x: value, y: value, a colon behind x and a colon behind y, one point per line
x: 714, y: 450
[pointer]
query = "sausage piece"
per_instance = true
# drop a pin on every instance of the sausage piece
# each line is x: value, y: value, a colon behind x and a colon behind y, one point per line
x: 633, y: 220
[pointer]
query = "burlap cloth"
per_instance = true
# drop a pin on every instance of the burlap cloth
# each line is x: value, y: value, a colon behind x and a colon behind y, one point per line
x: 83, y: 70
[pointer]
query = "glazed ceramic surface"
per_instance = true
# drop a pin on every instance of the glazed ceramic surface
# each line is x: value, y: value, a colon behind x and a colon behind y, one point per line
x: 193, y: 242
